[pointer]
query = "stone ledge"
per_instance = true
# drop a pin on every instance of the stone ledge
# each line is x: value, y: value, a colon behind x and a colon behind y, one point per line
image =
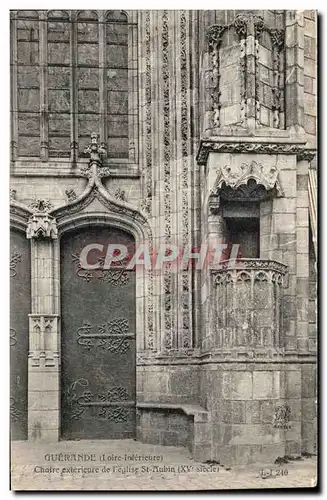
x: 192, y: 430
x: 230, y: 357
x: 189, y: 410
x: 36, y: 168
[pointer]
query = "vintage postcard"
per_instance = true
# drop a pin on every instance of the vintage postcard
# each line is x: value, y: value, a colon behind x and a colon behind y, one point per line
x: 163, y: 257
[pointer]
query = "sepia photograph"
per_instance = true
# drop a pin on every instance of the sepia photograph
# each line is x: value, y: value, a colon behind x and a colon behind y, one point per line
x: 163, y: 250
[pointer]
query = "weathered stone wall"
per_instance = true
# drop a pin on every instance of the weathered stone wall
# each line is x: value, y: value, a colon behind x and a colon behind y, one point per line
x: 310, y: 74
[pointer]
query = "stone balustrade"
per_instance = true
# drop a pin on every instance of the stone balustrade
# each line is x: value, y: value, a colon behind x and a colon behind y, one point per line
x: 247, y: 304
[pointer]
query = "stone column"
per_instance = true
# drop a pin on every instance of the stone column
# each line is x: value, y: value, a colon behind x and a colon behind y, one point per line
x: 304, y: 343
x: 216, y: 237
x: 283, y: 243
x: 44, y: 336
x: 302, y: 252
x: 44, y: 86
x: 294, y: 77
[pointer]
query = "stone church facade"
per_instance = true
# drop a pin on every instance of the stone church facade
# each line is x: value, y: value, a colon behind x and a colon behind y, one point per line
x: 165, y: 128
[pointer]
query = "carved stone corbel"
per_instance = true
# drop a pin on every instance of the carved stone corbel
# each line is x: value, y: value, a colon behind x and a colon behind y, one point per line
x: 240, y: 24
x: 214, y: 204
x: 306, y: 155
x: 259, y: 26
x: 214, y: 34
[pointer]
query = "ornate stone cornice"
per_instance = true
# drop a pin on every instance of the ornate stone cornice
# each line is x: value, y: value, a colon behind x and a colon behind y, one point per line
x: 286, y: 148
x: 240, y: 174
x: 250, y: 265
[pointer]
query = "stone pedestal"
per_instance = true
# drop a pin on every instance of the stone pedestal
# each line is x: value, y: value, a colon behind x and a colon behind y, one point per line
x: 255, y: 352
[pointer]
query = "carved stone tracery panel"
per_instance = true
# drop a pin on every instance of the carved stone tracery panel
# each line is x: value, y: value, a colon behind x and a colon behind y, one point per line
x: 246, y: 304
x: 260, y: 90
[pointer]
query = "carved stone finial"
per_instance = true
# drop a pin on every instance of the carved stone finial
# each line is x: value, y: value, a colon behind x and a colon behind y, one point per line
x: 13, y: 194
x: 94, y: 168
x: 71, y: 195
x: 94, y: 149
x: 41, y: 206
x: 41, y: 225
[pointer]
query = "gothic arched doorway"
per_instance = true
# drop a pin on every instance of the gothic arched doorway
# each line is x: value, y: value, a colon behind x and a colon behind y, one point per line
x: 97, y: 337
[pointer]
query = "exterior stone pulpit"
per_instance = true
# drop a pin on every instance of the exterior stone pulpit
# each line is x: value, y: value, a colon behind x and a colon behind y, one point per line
x: 252, y: 155
x: 251, y: 199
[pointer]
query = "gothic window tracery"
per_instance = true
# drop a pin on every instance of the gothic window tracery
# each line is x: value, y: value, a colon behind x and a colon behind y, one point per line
x: 117, y: 83
x: 75, y: 76
x: 59, y: 81
x: 28, y: 83
x: 87, y: 77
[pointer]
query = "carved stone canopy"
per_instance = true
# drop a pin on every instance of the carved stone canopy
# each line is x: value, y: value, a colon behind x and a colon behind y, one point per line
x: 245, y: 24
x: 41, y: 225
x: 250, y: 192
x: 244, y: 182
x: 239, y: 175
